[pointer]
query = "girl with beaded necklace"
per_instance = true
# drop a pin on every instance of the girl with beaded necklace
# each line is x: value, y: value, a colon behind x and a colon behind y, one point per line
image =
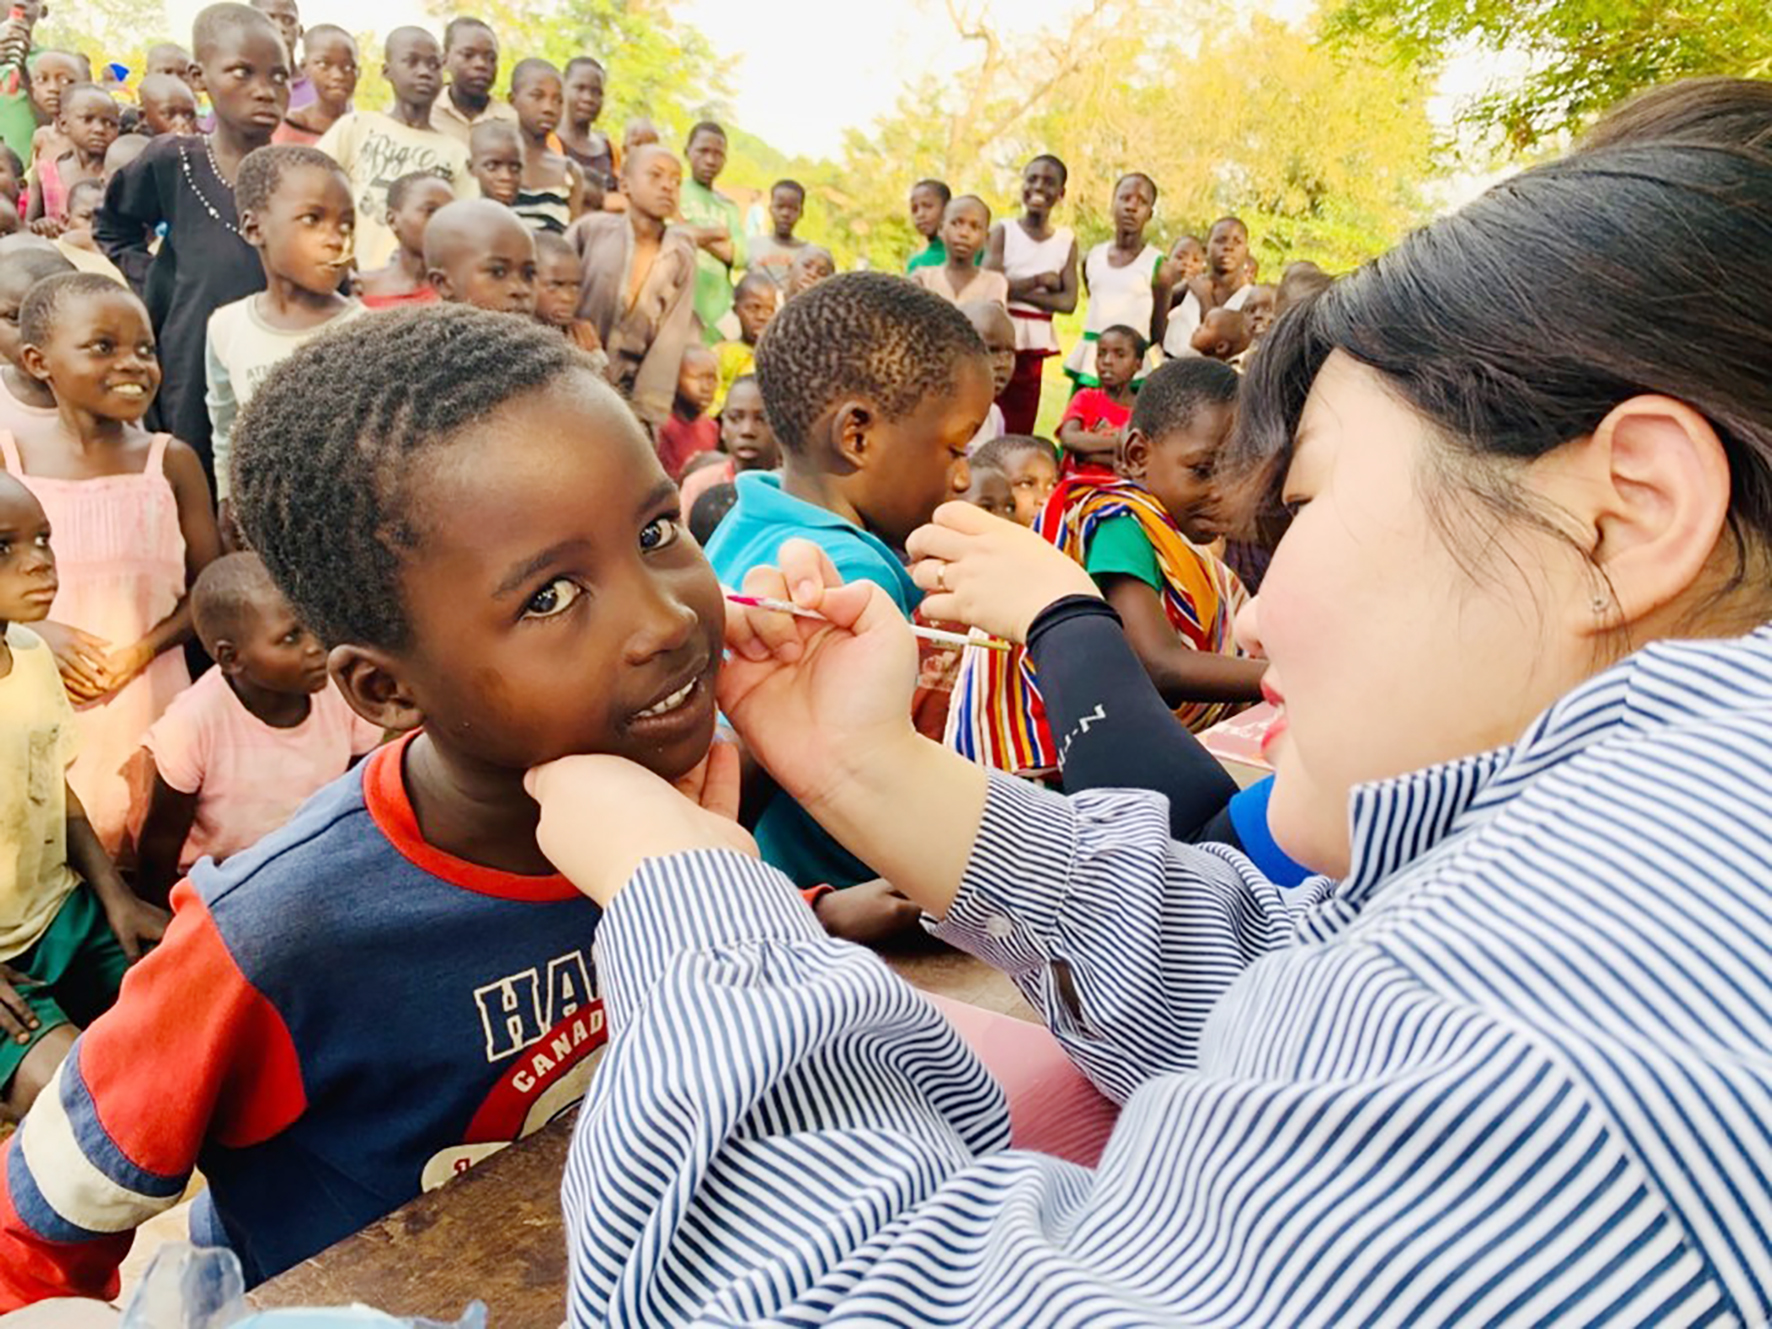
x: 186, y: 182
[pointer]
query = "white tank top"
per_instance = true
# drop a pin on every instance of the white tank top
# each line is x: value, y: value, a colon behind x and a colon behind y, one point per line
x: 1116, y: 295
x: 1023, y: 257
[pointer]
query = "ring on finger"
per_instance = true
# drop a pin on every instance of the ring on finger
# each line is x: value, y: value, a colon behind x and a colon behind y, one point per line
x: 941, y: 577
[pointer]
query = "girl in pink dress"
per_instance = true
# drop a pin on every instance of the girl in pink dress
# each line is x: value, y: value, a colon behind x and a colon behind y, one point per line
x: 131, y: 522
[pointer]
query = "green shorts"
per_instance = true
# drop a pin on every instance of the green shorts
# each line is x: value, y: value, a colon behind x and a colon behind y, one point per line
x: 76, y: 967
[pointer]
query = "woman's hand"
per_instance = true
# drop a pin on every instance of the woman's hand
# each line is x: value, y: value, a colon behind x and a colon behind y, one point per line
x: 80, y: 656
x: 602, y: 816
x: 814, y: 699
x: 990, y: 573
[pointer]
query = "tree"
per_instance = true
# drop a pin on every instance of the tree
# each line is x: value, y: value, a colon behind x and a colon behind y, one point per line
x: 1578, y: 56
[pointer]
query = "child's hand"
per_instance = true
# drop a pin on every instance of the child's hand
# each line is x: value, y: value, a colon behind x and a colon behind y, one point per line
x: 79, y: 656
x: 602, y: 816
x: 17, y: 1020
x: 1051, y: 281
x: 810, y: 698
x: 123, y: 667
x: 867, y: 913
x: 138, y: 925
x: 47, y: 227
x: 990, y: 573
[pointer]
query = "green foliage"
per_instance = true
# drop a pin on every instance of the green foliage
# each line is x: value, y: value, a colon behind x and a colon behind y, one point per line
x: 1578, y: 57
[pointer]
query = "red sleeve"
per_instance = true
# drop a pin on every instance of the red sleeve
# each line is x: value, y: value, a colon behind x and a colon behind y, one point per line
x: 190, y: 1053
x: 1081, y: 408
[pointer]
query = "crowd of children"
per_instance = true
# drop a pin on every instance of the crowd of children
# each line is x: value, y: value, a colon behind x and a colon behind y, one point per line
x: 221, y: 399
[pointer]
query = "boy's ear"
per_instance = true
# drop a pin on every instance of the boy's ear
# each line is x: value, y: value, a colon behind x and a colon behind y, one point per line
x: 250, y: 230
x: 227, y: 657
x: 440, y: 283
x: 371, y: 682
x: 194, y: 75
x: 31, y: 360
x: 852, y: 426
x: 1135, y: 454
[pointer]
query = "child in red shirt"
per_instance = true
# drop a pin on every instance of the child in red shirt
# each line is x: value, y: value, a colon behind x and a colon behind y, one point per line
x: 690, y: 430
x: 1089, y: 431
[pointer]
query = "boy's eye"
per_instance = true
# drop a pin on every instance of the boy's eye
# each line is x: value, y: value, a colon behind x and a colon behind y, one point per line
x: 554, y: 598
x: 659, y: 533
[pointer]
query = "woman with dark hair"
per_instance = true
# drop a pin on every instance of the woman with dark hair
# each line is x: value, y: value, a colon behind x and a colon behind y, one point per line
x: 1505, y: 1061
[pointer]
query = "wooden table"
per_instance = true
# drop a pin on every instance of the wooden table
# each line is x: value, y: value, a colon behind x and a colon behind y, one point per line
x: 494, y: 1234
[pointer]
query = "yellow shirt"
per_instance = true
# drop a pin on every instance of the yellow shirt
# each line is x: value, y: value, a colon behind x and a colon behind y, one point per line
x: 736, y: 359
x: 38, y: 742
x: 375, y: 150
x: 446, y: 117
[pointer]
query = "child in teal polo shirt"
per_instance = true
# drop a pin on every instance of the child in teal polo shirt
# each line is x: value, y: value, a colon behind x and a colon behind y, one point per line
x: 874, y: 387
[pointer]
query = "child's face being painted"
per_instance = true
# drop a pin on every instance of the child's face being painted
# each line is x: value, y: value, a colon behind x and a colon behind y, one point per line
x: 540, y: 104
x: 498, y: 165
x: 53, y: 74
x: 550, y: 553
x: 906, y: 468
x: 27, y: 564
x: 170, y: 109
x: 754, y: 306
x: 990, y: 491
x: 421, y: 200
x: 745, y: 431
x: 90, y: 121
x: 99, y: 358
x: 304, y: 232
x: 926, y: 211
x: 557, y: 280
x: 1033, y: 475
x: 272, y: 650
x: 963, y: 231
x: 584, y: 93
x: 1179, y: 467
x: 698, y: 379
x: 246, y: 74
x: 1116, y: 361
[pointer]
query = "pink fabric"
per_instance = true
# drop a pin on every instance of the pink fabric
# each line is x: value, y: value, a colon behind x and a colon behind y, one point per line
x: 249, y: 777
x: 49, y: 188
x: 1053, y: 1109
x: 121, y: 558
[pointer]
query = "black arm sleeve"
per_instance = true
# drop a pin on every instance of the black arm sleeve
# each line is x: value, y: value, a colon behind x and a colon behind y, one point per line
x: 1113, y: 730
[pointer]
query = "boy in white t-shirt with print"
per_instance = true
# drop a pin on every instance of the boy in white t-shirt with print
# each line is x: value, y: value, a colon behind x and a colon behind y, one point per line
x: 246, y: 745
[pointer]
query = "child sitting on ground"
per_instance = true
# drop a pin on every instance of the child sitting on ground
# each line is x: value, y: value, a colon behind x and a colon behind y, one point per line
x: 329, y: 60
x: 1089, y: 430
x: 27, y: 406
x: 495, y: 159
x: 477, y: 253
x: 1223, y: 334
x: 412, y: 200
x: 990, y: 321
x: 753, y: 304
x: 295, y: 210
x: 136, y: 527
x: 76, y: 242
x: 1140, y: 534
x: 397, y: 983
x: 875, y: 388
x: 1031, y: 466
x: 551, y: 194
x: 168, y: 106
x: 62, y: 905
x: 690, y: 430
x: 964, y: 227
x: 747, y: 443
x: 245, y: 745
x: 89, y: 124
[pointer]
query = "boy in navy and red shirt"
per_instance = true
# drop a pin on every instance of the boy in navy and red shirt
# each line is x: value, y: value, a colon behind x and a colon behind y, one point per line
x: 396, y: 984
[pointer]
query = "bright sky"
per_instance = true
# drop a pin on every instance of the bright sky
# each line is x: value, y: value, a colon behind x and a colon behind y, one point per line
x: 795, y: 82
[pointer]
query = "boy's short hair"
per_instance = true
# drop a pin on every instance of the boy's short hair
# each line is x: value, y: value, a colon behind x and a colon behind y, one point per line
x: 939, y: 186
x: 959, y: 199
x: 461, y: 21
x: 49, y: 297
x: 1149, y: 183
x: 226, y: 595
x: 1064, y: 172
x: 754, y: 280
x: 217, y: 23
x: 321, y: 32
x: 483, y: 132
x: 1176, y: 391
x: 704, y: 127
x: 859, y: 334
x: 1140, y: 343
x: 794, y: 185
x: 324, y: 451
x: 398, y: 191
x: 263, y: 169
x: 85, y: 186
x: 74, y: 90
x: 554, y: 242
x: 1002, y: 450
x: 710, y: 509
x: 530, y: 66
x: 578, y: 61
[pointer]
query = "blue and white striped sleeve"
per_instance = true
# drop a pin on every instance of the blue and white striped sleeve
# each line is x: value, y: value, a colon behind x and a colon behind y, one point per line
x: 1122, y: 938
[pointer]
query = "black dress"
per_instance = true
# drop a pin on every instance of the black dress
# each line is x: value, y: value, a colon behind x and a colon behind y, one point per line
x: 202, y: 265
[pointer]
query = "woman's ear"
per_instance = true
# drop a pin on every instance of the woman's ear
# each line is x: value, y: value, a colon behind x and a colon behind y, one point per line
x: 1651, y: 490
x: 371, y: 682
